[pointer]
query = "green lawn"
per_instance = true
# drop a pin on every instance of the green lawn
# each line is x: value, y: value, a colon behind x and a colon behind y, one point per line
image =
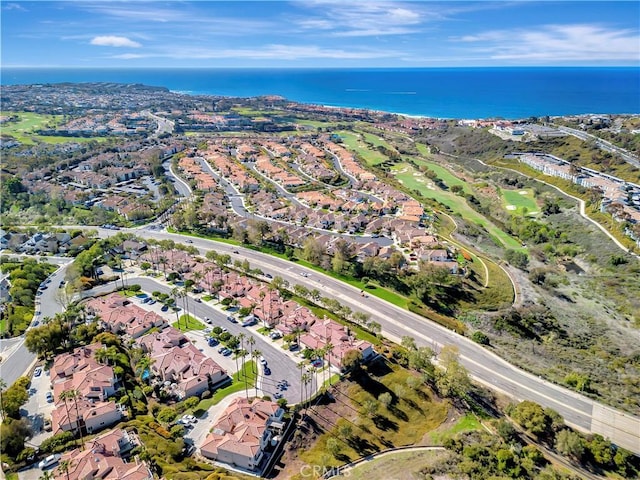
x: 520, y: 202
x: 377, y: 141
x: 445, y: 175
x: 465, y: 424
x: 24, y: 129
x: 414, y: 180
x: 423, y: 149
x: 239, y: 380
x: 352, y: 142
x: 187, y: 323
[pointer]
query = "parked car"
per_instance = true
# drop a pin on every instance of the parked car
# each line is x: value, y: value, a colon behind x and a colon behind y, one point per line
x: 231, y: 319
x: 165, y: 308
x: 222, y: 349
x: 275, y: 335
x: 263, y: 360
x: 268, y: 275
x: 49, y: 461
x: 293, y: 347
x: 267, y: 371
x: 207, y: 320
x: 37, y: 372
x: 190, y: 418
x: 49, y: 397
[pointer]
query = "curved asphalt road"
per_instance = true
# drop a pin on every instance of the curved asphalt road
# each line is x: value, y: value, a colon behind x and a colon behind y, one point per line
x: 486, y: 367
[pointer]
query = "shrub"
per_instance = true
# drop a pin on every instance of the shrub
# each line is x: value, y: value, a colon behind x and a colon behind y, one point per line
x: 57, y: 443
x: 167, y: 414
x: 191, y: 402
x: 205, y: 394
x: 163, y: 432
x: 480, y: 337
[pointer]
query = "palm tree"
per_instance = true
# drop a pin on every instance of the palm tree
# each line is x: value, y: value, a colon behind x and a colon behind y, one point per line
x: 163, y: 262
x: 64, y: 396
x: 185, y: 302
x: 74, y: 394
x: 64, y: 467
x: 175, y: 293
x: 251, y: 341
x: 329, y: 349
x: 244, y: 353
x: 197, y: 276
x: 302, y: 381
x: 237, y: 354
x: 241, y: 337
x: 46, y: 475
x: 3, y: 386
x: 255, y: 354
x: 306, y: 379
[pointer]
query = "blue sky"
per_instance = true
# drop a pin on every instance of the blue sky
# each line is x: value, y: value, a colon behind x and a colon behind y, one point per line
x: 319, y: 33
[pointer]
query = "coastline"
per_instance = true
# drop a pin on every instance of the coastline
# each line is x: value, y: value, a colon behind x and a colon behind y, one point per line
x: 509, y: 93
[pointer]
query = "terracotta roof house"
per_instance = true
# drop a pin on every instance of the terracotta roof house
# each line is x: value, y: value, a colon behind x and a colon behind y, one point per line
x: 93, y: 464
x: 178, y: 361
x: 118, y: 315
x: 327, y: 331
x: 94, y: 416
x: 242, y: 433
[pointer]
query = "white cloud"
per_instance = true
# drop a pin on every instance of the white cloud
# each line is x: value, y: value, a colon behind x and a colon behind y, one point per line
x: 14, y: 6
x: 557, y: 43
x: 114, y: 41
x: 362, y: 19
x: 267, y: 52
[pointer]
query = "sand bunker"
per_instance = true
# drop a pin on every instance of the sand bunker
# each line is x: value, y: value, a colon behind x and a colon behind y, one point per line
x: 523, y: 192
x: 511, y: 207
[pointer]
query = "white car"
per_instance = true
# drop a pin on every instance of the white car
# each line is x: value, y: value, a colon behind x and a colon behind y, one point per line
x: 263, y: 360
x: 189, y: 419
x: 50, y: 460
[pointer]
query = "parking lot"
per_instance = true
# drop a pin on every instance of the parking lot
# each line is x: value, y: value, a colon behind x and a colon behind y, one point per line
x: 37, y: 408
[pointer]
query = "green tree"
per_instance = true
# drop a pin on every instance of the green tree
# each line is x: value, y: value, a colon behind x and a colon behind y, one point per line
x: 601, y: 450
x: 333, y: 447
x: 370, y: 408
x: 570, y: 443
x: 352, y: 359
x: 532, y: 417
x: 14, y: 397
x: 453, y: 379
x: 385, y: 399
x: 167, y: 415
x: 13, y: 434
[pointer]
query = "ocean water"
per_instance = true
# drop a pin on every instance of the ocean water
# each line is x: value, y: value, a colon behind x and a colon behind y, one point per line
x: 509, y: 93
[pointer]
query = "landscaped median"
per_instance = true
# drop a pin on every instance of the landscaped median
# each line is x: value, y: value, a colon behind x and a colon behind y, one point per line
x: 188, y: 323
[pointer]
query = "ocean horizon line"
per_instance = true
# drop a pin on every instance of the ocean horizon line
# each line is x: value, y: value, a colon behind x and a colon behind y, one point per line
x: 430, y: 92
